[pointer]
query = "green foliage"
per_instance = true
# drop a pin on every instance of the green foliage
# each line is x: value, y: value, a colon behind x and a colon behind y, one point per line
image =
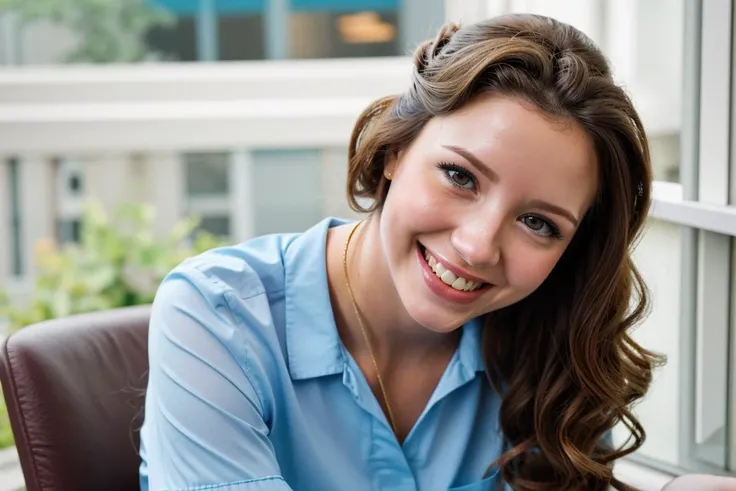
x: 108, y: 30
x: 6, y: 433
x: 118, y: 262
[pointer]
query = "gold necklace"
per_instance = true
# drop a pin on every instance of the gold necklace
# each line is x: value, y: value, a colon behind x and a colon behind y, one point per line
x: 391, y: 420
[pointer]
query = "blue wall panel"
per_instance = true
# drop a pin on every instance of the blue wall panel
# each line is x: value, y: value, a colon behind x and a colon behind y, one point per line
x: 190, y: 7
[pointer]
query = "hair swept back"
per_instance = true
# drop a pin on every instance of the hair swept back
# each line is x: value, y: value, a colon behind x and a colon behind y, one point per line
x: 562, y: 358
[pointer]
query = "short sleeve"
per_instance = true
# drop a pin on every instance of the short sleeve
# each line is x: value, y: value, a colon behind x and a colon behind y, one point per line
x: 204, y: 425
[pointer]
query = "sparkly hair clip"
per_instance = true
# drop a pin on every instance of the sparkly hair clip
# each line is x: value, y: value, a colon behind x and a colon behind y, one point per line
x: 639, y: 193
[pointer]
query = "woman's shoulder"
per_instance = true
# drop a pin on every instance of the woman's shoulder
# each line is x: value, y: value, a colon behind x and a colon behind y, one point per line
x: 224, y: 293
x: 220, y: 300
x: 240, y: 291
x: 258, y: 265
x: 245, y: 269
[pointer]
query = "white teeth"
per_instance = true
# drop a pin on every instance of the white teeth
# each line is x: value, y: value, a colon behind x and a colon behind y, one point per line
x: 448, y: 277
x: 459, y: 284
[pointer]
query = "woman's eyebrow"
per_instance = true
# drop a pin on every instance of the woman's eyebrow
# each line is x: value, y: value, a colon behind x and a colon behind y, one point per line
x: 474, y: 161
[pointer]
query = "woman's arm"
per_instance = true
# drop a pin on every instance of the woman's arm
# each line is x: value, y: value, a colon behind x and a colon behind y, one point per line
x: 204, y: 422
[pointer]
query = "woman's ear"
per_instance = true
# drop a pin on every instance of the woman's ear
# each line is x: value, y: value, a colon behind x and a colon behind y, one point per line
x: 391, y: 163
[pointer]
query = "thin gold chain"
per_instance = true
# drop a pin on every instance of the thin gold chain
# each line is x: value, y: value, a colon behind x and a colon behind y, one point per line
x: 391, y: 419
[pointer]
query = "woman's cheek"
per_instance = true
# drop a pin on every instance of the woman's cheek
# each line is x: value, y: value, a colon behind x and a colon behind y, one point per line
x: 527, y: 268
x: 427, y: 207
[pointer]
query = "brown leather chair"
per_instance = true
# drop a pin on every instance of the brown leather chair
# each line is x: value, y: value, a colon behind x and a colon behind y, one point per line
x: 74, y: 390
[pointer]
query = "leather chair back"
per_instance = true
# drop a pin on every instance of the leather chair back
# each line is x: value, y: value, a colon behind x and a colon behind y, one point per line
x: 74, y: 390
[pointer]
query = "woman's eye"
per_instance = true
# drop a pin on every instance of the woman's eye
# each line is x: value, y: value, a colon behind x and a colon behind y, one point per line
x: 457, y: 175
x: 460, y: 179
x: 540, y: 226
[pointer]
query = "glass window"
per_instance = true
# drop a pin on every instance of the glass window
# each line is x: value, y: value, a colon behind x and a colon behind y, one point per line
x: 665, y: 151
x: 69, y: 230
x: 206, y: 173
x: 75, y: 185
x: 288, y: 190
x: 70, y: 181
x: 218, y: 225
x: 70, y: 198
x: 658, y: 257
x: 176, y: 41
x: 344, y: 34
x: 731, y: 423
x: 710, y: 364
x: 241, y: 36
x: 207, y: 190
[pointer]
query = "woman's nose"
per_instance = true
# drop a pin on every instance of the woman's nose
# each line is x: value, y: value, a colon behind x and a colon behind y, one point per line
x: 477, y: 242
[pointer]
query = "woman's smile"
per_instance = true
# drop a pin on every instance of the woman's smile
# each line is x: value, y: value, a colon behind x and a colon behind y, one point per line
x: 447, y: 280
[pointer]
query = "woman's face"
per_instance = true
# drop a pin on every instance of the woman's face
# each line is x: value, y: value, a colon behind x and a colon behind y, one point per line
x: 481, y: 207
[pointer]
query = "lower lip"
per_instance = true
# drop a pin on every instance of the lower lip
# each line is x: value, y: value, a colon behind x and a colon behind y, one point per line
x: 442, y: 289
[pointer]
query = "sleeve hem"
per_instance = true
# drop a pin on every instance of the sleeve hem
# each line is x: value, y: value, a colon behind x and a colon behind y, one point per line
x: 270, y: 483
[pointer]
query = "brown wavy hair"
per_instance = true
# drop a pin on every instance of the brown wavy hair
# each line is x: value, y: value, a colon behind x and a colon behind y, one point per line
x: 562, y: 358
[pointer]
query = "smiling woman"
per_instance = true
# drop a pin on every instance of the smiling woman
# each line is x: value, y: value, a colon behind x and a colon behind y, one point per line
x: 556, y: 196
x: 529, y: 180
x: 472, y: 333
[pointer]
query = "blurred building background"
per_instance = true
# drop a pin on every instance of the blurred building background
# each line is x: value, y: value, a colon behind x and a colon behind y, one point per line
x: 239, y: 112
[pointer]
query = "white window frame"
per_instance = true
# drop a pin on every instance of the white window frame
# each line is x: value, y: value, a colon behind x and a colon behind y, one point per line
x: 11, y: 228
x: 701, y: 205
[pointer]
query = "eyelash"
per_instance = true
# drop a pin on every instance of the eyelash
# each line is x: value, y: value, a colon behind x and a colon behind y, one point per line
x: 448, y: 167
x: 554, y: 229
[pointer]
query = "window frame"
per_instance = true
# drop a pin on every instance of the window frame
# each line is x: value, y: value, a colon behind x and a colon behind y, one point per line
x: 14, y: 214
x: 233, y: 203
x: 702, y: 203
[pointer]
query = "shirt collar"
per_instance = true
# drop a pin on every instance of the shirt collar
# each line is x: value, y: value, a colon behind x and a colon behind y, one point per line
x: 313, y: 344
x: 470, y: 350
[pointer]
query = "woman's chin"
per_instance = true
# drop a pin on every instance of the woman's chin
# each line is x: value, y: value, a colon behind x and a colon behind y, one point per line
x: 439, y: 322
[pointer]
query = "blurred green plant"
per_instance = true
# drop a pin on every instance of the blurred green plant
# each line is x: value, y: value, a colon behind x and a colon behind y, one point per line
x: 6, y: 433
x: 109, y: 31
x: 118, y: 262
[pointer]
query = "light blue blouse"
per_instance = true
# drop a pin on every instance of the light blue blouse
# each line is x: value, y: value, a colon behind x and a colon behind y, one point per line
x: 251, y: 389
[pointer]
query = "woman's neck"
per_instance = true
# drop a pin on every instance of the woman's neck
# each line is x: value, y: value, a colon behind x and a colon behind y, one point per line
x: 393, y: 333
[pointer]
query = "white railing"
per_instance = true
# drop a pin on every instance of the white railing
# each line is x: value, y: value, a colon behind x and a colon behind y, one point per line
x: 252, y: 104
x: 264, y: 103
x: 291, y: 79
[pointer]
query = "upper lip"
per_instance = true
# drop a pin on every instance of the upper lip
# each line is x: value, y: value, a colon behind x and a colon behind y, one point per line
x: 457, y: 270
